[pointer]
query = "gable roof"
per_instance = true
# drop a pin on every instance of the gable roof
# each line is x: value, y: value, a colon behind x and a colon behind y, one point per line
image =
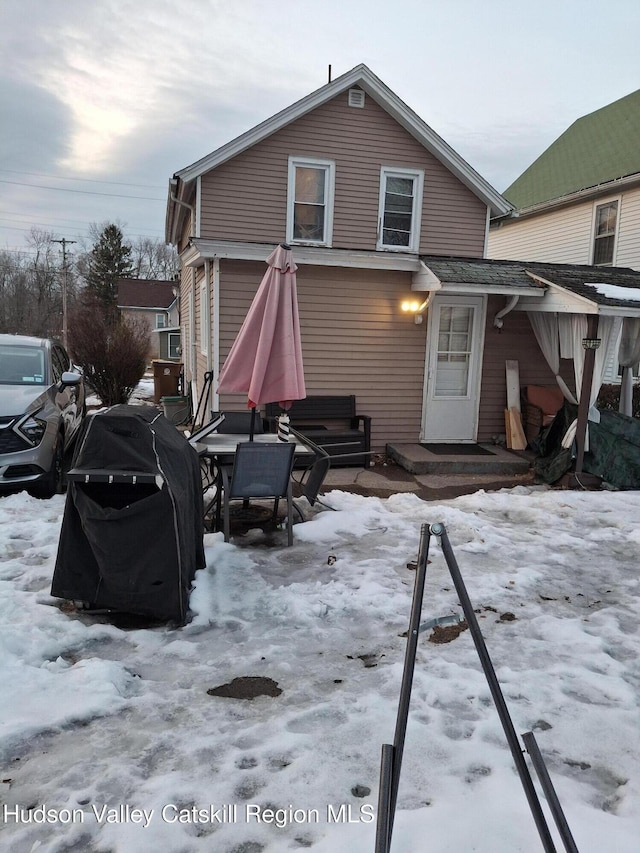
x: 360, y: 76
x: 596, y: 149
x: 146, y: 293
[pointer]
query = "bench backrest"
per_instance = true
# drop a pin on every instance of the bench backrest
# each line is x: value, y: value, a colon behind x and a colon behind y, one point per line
x: 318, y: 408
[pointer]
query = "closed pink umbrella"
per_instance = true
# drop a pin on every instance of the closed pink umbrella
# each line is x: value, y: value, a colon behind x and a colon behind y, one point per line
x: 265, y: 361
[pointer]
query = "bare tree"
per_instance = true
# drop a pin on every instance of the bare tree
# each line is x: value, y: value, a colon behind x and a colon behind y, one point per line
x: 111, y: 349
x: 154, y: 259
x: 31, y: 288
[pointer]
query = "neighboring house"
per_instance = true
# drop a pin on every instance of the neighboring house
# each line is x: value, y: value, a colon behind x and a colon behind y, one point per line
x: 156, y: 303
x: 579, y: 202
x: 380, y: 212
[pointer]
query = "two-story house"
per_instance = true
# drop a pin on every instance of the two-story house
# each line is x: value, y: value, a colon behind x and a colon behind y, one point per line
x: 382, y: 215
x: 155, y: 303
x: 579, y: 202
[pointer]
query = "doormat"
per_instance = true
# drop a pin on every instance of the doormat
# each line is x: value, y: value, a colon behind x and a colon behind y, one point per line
x: 457, y: 449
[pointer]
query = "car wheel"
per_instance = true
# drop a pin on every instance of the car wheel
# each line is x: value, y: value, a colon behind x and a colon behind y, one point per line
x: 51, y: 484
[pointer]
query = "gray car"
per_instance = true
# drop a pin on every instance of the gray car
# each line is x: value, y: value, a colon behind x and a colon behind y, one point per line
x: 42, y: 404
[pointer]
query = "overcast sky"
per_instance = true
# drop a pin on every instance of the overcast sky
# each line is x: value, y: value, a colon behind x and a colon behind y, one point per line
x: 104, y: 98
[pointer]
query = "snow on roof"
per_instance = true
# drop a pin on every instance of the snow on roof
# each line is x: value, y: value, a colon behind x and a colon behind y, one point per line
x: 614, y: 291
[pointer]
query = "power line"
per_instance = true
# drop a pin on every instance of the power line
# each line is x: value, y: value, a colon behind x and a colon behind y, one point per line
x: 81, y: 192
x: 84, y: 180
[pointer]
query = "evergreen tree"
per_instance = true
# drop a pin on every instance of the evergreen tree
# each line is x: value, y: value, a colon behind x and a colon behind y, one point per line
x: 109, y: 260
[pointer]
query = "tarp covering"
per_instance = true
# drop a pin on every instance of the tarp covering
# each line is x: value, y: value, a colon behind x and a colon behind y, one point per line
x: 133, y: 544
x: 613, y: 455
x: 614, y: 450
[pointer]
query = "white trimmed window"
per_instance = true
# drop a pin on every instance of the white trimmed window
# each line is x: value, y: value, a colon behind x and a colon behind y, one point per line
x: 174, y: 345
x: 400, y: 209
x: 310, y: 201
x: 605, y: 228
x: 161, y: 321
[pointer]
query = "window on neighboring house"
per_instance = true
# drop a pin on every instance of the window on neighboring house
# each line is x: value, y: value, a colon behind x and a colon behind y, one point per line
x: 310, y: 201
x: 161, y: 321
x: 400, y: 209
x: 604, y: 236
x: 174, y: 345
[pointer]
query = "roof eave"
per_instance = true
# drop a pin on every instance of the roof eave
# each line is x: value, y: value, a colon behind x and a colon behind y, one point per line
x: 607, y: 188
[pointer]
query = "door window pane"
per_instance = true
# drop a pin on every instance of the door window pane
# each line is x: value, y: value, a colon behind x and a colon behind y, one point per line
x: 454, y: 351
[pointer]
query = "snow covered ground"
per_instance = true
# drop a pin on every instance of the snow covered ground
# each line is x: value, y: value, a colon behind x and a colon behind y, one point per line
x: 109, y: 740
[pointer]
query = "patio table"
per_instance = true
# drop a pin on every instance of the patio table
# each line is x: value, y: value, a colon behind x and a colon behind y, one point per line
x: 219, y: 449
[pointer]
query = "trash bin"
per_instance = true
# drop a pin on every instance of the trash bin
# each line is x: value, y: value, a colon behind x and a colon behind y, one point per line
x: 166, y: 378
x: 132, y: 530
x: 176, y: 409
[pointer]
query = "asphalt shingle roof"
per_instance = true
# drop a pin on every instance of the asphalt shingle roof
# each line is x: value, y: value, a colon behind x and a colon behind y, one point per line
x: 145, y: 293
x: 595, y: 149
x: 486, y: 272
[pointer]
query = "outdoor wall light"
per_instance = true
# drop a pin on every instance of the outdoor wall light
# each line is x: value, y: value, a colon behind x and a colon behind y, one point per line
x: 415, y: 307
x: 591, y: 343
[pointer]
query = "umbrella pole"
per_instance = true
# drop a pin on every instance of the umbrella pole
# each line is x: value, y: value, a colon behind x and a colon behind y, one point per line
x: 252, y: 426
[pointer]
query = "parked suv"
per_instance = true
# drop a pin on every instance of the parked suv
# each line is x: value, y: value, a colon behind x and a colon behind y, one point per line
x: 42, y: 404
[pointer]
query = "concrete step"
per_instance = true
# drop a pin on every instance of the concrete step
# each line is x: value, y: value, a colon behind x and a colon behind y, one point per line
x: 418, y: 460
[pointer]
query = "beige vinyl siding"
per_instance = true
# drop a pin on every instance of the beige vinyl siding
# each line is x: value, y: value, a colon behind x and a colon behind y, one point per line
x: 561, y: 236
x: 355, y: 340
x: 245, y: 198
x: 566, y: 236
x: 628, y: 246
x: 517, y: 341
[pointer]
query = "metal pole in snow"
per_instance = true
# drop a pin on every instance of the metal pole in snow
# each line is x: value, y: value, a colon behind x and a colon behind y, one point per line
x: 498, y: 698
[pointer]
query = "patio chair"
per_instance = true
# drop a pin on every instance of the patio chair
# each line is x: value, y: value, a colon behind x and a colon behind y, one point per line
x: 260, y: 471
x: 313, y: 476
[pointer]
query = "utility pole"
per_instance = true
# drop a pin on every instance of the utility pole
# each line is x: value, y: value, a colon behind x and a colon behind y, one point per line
x: 65, y: 335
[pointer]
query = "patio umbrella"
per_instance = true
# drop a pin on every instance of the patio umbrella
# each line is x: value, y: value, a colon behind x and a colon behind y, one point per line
x: 265, y: 361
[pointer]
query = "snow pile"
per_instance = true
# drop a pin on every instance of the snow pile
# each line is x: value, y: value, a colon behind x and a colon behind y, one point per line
x: 111, y: 742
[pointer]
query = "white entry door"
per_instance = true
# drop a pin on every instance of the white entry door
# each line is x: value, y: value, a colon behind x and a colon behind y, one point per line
x: 455, y: 338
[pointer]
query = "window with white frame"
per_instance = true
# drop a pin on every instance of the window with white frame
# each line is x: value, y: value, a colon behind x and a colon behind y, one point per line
x: 604, y: 233
x: 174, y: 345
x: 400, y: 209
x: 310, y: 201
x: 161, y: 321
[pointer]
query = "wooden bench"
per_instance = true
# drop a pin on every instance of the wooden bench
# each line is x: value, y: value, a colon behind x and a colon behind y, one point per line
x: 330, y: 422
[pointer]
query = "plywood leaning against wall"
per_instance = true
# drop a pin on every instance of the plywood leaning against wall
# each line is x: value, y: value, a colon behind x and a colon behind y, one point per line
x: 512, y: 420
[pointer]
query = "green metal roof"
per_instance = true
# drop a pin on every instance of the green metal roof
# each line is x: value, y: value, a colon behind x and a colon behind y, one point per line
x: 597, y: 148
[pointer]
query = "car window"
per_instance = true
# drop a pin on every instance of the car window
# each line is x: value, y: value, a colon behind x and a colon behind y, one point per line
x: 22, y: 365
x: 59, y: 362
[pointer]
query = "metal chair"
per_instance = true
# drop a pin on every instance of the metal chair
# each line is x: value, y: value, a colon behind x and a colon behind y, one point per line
x: 260, y: 471
x: 311, y: 480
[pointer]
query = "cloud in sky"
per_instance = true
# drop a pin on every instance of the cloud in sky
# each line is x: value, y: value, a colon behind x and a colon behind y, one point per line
x: 131, y: 91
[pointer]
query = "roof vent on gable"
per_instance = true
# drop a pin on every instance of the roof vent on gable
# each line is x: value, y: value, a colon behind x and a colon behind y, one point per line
x: 356, y: 98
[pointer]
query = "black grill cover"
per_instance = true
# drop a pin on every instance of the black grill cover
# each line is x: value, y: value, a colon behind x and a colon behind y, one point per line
x: 132, y: 544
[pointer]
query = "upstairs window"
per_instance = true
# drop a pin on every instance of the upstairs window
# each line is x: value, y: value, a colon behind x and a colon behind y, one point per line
x: 161, y: 321
x: 400, y: 209
x: 310, y: 201
x: 604, y: 234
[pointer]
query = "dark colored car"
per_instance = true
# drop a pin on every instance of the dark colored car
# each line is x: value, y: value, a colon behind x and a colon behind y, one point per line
x: 42, y: 404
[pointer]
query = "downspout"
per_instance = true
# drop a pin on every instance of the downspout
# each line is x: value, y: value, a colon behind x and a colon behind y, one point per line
x: 192, y: 323
x: 215, y: 344
x: 511, y: 304
x: 207, y: 306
